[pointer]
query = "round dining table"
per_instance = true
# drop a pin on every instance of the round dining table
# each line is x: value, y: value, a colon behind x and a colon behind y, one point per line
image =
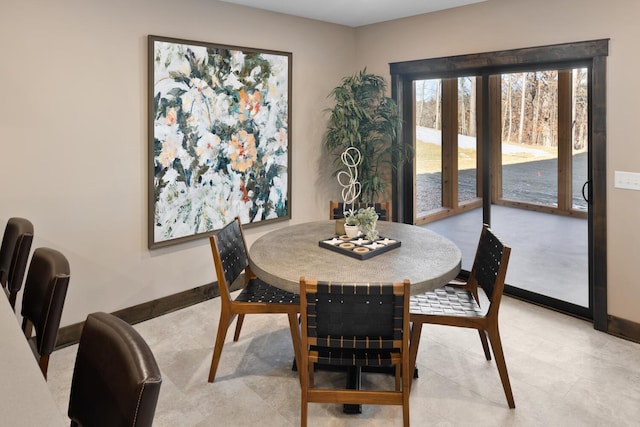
x: 281, y: 257
x: 426, y: 258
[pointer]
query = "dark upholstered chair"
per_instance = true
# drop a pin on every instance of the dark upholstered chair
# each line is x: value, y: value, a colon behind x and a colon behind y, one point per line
x: 355, y: 325
x: 44, y: 293
x: 14, y: 254
x: 230, y: 258
x: 336, y: 209
x: 473, y: 304
x: 116, y: 380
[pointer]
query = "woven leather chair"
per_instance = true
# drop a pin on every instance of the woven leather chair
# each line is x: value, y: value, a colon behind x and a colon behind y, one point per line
x: 473, y: 304
x: 336, y: 209
x: 230, y: 258
x: 14, y: 254
x: 355, y: 325
x: 44, y: 293
x: 116, y: 380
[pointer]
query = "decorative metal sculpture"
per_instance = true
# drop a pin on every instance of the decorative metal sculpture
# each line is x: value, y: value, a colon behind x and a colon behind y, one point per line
x: 348, y: 179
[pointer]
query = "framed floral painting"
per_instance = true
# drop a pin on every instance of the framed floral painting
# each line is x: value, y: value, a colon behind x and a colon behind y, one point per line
x: 219, y: 143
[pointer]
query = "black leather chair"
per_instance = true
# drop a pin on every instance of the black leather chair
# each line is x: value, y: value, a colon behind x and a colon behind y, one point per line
x: 44, y: 293
x: 116, y: 380
x: 14, y: 254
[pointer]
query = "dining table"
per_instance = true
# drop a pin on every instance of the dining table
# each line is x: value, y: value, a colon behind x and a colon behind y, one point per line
x: 428, y: 259
x: 25, y: 398
x: 281, y: 257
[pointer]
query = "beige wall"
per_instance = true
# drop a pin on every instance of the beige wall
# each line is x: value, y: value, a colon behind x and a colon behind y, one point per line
x: 73, y: 114
x: 73, y: 120
x: 510, y: 24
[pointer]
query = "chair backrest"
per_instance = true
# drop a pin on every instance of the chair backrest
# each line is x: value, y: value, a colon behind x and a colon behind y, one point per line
x: 14, y: 254
x: 490, y: 266
x: 229, y: 255
x: 116, y: 380
x: 45, y: 290
x: 336, y: 209
x: 355, y: 315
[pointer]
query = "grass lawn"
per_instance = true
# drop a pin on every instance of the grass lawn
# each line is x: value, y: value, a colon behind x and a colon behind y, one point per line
x: 429, y: 157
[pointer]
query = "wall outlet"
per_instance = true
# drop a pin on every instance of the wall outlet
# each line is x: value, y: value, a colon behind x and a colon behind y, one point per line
x: 628, y: 180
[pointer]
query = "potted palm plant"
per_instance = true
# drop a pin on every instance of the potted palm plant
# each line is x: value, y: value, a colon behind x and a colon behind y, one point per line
x: 368, y: 120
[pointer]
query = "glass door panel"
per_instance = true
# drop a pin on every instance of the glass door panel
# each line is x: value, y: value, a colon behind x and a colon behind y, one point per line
x: 550, y: 256
x: 428, y: 146
x: 579, y: 137
x: 530, y: 138
x: 467, y: 141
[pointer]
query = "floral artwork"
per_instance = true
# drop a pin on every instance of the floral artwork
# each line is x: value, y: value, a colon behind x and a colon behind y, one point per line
x: 219, y: 137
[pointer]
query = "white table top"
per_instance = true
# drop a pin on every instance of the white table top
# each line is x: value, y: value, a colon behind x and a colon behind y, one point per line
x: 25, y: 399
x: 427, y: 259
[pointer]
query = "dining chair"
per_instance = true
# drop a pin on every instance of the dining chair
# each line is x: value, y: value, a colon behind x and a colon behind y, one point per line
x: 45, y: 290
x: 14, y: 254
x: 336, y: 209
x: 116, y: 380
x: 230, y: 257
x: 471, y: 304
x: 355, y: 325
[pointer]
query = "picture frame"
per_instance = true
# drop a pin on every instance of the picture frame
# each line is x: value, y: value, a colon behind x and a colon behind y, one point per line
x: 219, y: 142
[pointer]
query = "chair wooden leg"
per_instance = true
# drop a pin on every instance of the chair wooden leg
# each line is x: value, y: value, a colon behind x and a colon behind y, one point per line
x: 27, y: 327
x: 496, y: 345
x: 405, y: 408
x: 485, y: 344
x: 306, y: 380
x: 238, y: 326
x: 416, y: 331
x: 12, y: 299
x: 303, y: 409
x: 398, y: 373
x: 44, y: 365
x: 223, y: 325
x: 295, y: 338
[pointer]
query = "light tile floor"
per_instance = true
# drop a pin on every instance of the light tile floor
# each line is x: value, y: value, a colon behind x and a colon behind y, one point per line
x: 562, y: 371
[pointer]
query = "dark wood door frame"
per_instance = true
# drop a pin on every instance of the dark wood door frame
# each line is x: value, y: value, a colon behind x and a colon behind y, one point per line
x: 589, y: 54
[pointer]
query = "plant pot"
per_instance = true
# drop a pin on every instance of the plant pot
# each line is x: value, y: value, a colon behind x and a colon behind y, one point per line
x: 351, y: 230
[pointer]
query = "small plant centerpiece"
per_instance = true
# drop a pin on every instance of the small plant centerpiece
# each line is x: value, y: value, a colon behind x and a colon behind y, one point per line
x: 363, y: 220
x: 367, y: 219
x: 351, y: 223
x: 351, y: 217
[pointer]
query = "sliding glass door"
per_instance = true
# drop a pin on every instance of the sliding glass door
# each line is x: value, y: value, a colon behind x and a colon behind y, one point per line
x: 508, y: 143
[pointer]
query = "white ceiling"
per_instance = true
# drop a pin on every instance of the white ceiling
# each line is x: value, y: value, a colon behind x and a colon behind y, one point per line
x: 353, y: 13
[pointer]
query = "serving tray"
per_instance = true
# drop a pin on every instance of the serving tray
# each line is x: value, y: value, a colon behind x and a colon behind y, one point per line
x: 359, y: 247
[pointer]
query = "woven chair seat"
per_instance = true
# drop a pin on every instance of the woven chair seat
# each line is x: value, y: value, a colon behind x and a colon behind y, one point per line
x: 352, y: 357
x: 258, y: 291
x: 448, y: 300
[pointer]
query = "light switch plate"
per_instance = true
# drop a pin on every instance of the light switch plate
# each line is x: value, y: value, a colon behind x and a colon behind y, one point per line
x: 627, y: 180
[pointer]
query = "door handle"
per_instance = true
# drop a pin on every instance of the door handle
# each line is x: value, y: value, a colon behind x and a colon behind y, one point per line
x: 584, y: 186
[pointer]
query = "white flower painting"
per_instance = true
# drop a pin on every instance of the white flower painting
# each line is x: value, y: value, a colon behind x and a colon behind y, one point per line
x: 220, y: 144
